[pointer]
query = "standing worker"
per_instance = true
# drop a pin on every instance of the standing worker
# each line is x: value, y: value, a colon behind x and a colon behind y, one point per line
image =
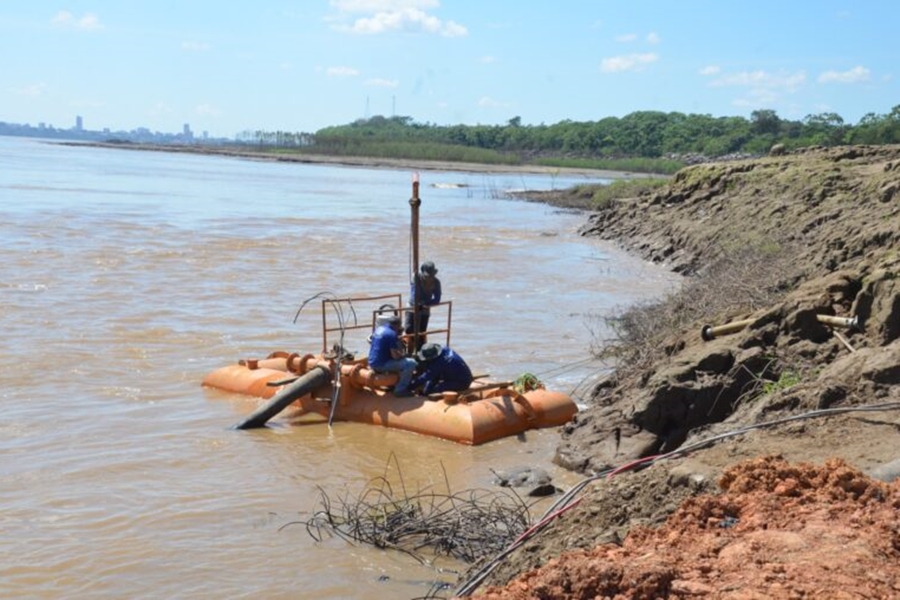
x: 387, y: 354
x: 425, y: 292
x: 445, y: 371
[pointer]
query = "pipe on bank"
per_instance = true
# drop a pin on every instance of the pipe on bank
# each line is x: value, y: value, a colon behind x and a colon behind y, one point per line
x: 710, y: 332
x: 849, y: 323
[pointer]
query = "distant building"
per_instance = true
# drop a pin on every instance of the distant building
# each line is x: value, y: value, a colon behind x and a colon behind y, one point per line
x: 78, y: 132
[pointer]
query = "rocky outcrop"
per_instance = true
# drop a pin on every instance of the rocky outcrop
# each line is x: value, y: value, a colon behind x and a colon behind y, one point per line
x: 838, y: 215
x: 784, y: 379
x: 783, y: 376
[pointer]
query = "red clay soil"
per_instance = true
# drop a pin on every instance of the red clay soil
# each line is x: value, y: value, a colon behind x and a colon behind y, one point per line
x: 776, y: 530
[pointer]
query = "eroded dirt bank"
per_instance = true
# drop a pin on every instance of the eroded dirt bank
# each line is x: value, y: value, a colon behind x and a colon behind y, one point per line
x: 778, y: 246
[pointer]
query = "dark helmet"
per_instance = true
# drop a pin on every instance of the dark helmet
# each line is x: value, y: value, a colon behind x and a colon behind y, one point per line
x: 428, y: 267
x: 429, y: 352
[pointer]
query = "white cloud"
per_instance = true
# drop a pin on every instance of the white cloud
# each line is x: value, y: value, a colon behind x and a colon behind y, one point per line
x: 627, y: 38
x: 189, y: 46
x: 761, y: 80
x: 487, y: 59
x: 628, y: 62
x: 391, y: 83
x: 488, y: 102
x: 160, y: 109
x: 854, y: 75
x: 88, y: 22
x: 762, y: 88
x: 409, y: 20
x: 341, y: 72
x: 710, y: 70
x: 382, y: 16
x: 758, y: 97
x: 32, y: 90
x: 208, y: 110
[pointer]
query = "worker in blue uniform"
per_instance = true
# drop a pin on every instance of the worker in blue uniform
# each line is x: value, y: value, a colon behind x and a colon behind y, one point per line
x: 424, y: 292
x: 387, y: 353
x: 443, y: 370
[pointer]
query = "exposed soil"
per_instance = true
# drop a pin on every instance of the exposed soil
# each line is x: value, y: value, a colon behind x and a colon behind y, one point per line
x: 776, y: 530
x: 769, y: 447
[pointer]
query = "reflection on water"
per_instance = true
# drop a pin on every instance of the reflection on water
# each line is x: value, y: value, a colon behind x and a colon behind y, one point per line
x: 127, y: 276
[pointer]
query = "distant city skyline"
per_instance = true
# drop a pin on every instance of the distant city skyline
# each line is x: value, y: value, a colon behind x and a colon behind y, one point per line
x: 301, y: 66
x: 79, y: 131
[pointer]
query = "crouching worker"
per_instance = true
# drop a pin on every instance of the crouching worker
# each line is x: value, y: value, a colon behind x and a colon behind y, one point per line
x: 444, y: 371
x: 387, y: 353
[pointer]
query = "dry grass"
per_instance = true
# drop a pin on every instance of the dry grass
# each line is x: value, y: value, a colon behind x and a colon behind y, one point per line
x: 742, y: 280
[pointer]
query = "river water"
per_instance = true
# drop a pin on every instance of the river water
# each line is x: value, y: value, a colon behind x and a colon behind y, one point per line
x: 128, y: 275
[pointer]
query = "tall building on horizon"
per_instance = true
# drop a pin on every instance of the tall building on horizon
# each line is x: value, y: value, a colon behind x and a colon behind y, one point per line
x: 79, y: 123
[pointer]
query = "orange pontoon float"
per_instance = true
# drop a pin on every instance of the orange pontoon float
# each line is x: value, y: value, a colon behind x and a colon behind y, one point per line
x: 336, y: 386
x: 482, y: 413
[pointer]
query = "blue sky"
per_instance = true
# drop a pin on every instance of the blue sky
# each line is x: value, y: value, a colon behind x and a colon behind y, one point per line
x: 229, y: 66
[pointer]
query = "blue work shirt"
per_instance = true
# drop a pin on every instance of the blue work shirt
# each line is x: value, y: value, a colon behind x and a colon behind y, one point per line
x: 384, y: 340
x: 418, y: 293
x: 448, y: 372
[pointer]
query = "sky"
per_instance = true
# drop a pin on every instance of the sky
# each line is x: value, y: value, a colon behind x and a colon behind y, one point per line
x: 225, y: 67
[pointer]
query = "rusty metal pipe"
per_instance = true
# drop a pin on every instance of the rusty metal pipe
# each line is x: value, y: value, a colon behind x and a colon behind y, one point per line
x: 360, y: 376
x: 710, y: 332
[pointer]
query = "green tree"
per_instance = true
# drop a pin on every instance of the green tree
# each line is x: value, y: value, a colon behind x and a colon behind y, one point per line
x: 826, y: 129
x: 765, y: 121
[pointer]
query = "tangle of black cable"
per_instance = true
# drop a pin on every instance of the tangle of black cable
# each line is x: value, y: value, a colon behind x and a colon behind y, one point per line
x: 466, y: 526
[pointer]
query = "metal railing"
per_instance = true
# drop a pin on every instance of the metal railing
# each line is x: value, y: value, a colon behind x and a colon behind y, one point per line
x: 342, y: 315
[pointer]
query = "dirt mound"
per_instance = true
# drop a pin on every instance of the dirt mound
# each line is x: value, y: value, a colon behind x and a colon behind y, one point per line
x: 795, y: 259
x: 776, y: 530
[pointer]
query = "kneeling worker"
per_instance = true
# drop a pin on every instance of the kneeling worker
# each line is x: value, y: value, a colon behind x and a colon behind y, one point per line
x: 445, y: 371
x: 387, y: 354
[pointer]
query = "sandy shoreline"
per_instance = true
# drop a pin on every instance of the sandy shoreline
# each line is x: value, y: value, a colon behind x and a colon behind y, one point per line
x: 367, y: 162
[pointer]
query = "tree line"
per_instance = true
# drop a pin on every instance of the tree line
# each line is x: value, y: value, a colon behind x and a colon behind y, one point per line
x: 647, y: 140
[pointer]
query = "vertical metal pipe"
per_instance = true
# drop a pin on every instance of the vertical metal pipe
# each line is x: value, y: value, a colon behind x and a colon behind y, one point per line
x: 414, y: 204
x: 324, y: 330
